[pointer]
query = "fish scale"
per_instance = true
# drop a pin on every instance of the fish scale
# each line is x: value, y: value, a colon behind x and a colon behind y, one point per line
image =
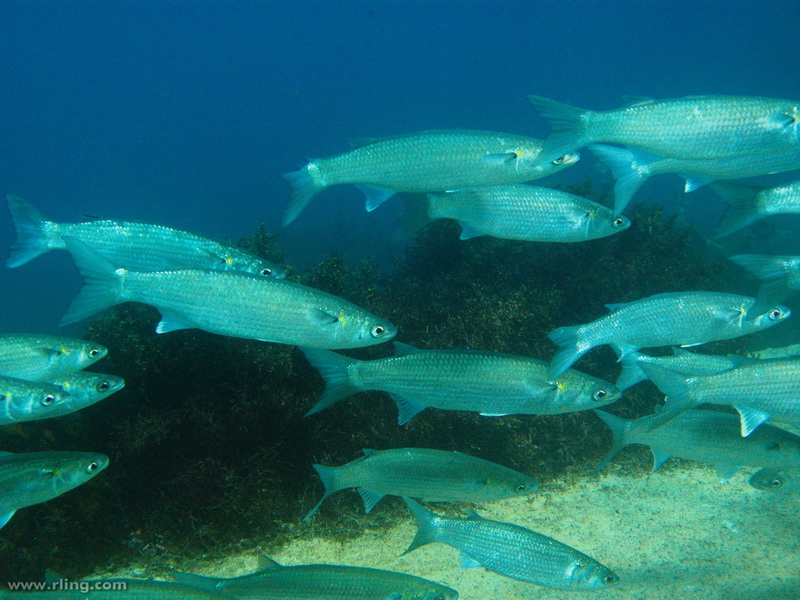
x: 42, y: 357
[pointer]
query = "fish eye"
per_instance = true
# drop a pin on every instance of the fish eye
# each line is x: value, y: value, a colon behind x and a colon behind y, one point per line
x: 776, y: 482
x: 48, y: 400
x: 599, y: 395
x: 560, y: 160
x: 94, y: 353
x: 618, y: 222
x: 522, y: 487
x: 102, y: 386
x: 92, y: 467
x: 775, y: 314
x: 609, y: 579
x: 266, y: 271
x: 377, y: 331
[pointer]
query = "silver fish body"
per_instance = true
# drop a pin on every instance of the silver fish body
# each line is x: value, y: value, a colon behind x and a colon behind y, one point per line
x: 681, y: 361
x: 512, y: 551
x: 432, y: 475
x: 427, y: 161
x: 133, y: 245
x: 227, y: 303
x: 42, y: 357
x: 670, y: 319
x: 108, y: 589
x: 489, y: 383
x: 693, y: 127
x: 84, y: 389
x: 631, y: 167
x: 757, y: 390
x: 749, y: 203
x: 706, y: 436
x: 34, y: 477
x: 776, y: 481
x: 321, y: 582
x: 524, y: 212
x: 22, y: 400
x: 780, y: 352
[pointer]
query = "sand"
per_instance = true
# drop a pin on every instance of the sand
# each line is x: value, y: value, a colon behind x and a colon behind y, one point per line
x: 676, y: 533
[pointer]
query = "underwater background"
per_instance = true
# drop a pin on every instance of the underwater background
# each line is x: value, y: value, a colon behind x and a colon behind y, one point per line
x: 187, y: 113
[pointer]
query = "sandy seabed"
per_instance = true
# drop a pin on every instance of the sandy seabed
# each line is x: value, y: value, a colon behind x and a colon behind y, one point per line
x: 674, y: 534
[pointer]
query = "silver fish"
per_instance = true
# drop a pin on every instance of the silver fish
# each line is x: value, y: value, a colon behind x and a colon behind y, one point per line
x: 670, y: 319
x: 525, y: 212
x: 489, y: 383
x: 84, y: 389
x: 693, y: 127
x: 130, y: 244
x: 426, y: 161
x: 109, y: 589
x: 22, y: 400
x: 681, y: 361
x: 631, y: 167
x: 779, y: 275
x: 706, y: 436
x: 749, y: 203
x: 757, y: 390
x: 776, y: 481
x: 512, y: 551
x: 432, y: 475
x: 781, y: 352
x: 321, y: 582
x: 34, y: 477
x: 41, y: 357
x: 227, y: 303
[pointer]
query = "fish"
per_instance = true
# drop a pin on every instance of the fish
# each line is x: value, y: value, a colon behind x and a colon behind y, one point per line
x: 84, y: 389
x: 227, y: 303
x: 750, y: 203
x: 776, y: 481
x: 432, y: 475
x: 109, y: 589
x: 631, y: 167
x: 134, y: 245
x: 320, y: 582
x: 489, y: 383
x: 691, y: 128
x: 525, y: 212
x: 22, y: 400
x: 43, y: 357
x: 707, y: 436
x: 757, y: 390
x: 34, y: 477
x: 681, y: 361
x: 779, y: 275
x: 426, y: 161
x: 512, y: 551
x: 780, y: 352
x: 668, y: 319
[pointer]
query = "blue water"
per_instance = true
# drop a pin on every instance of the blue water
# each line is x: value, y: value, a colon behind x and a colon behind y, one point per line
x: 187, y: 113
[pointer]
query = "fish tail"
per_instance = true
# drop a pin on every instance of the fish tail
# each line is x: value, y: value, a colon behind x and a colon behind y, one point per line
x: 334, y: 369
x: 567, y: 124
x: 32, y: 237
x: 742, y: 209
x: 306, y: 183
x: 101, y: 283
x: 628, y: 168
x: 571, y: 348
x: 327, y: 475
x: 631, y: 373
x: 676, y: 387
x: 619, y: 429
x: 426, y: 527
x: 414, y: 217
x: 771, y: 270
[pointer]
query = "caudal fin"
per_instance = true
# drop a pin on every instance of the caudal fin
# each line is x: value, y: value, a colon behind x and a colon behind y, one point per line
x: 426, y: 530
x: 101, y: 283
x: 677, y: 389
x: 742, y: 209
x: 327, y: 476
x: 305, y: 184
x: 571, y: 348
x: 619, y: 429
x: 566, y: 122
x: 32, y: 237
x: 629, y: 169
x: 774, y: 276
x: 333, y: 368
